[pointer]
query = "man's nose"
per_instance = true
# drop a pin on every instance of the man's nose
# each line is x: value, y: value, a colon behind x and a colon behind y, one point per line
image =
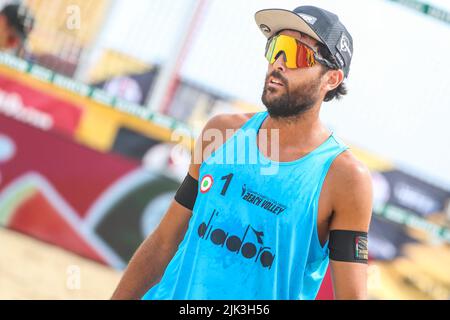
x: 280, y: 62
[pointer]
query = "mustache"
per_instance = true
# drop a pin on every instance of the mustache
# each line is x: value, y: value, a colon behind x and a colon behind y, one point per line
x: 277, y: 75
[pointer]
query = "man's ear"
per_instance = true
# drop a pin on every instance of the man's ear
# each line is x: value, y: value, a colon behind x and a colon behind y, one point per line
x: 333, y: 79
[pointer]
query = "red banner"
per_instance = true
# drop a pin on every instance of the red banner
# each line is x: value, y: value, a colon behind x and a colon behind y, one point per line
x: 37, y: 108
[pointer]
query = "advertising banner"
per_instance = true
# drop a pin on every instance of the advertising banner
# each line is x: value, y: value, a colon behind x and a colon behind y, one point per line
x: 98, y: 205
x: 37, y: 108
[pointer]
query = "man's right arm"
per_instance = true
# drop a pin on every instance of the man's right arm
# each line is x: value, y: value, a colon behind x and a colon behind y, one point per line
x: 154, y: 254
x: 149, y: 262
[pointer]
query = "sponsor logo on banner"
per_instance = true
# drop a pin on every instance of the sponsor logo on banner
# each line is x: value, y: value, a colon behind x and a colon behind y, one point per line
x: 38, y: 109
x: 417, y: 195
x: 41, y: 179
x: 11, y: 105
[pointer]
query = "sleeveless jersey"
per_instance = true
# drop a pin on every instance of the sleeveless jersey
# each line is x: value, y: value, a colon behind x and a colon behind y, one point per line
x: 253, y: 231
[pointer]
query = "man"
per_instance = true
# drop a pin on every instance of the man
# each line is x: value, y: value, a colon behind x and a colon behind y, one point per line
x: 16, y: 23
x: 254, y: 235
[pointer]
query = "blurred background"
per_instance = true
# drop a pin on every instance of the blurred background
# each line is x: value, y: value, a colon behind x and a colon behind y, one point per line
x: 92, y: 98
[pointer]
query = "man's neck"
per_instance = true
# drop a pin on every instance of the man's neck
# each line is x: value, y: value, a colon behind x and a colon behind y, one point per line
x: 302, y: 132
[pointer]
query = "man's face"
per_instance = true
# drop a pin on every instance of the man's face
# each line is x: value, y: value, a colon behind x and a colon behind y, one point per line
x: 9, y: 40
x: 299, y: 89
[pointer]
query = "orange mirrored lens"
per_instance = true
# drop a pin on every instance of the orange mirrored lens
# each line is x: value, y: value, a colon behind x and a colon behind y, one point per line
x: 305, y: 56
x: 296, y: 54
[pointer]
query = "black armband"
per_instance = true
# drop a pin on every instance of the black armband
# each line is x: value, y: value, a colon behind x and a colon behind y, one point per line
x: 348, y: 246
x: 187, y: 192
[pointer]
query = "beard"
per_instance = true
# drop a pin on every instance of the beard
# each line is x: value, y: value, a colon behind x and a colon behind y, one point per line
x: 291, y: 103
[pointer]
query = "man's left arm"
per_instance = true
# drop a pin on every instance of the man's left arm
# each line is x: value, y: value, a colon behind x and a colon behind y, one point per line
x: 352, y: 210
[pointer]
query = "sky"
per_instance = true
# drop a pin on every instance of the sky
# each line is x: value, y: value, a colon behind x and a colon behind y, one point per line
x: 398, y: 104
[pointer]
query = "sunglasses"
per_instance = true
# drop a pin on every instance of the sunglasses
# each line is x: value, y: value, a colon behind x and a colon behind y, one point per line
x: 296, y: 54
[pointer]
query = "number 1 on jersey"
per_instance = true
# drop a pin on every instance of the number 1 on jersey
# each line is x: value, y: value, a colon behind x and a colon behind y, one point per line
x: 227, y: 183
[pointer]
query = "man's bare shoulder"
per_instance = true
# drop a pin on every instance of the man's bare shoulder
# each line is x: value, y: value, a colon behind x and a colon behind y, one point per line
x: 347, y: 171
x: 350, y: 186
x: 214, y: 134
x: 223, y: 122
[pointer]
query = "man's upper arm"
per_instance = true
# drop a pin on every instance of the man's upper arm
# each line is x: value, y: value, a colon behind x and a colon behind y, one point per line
x: 204, y: 140
x: 174, y: 225
x: 212, y: 136
x: 352, y: 210
x: 351, y: 195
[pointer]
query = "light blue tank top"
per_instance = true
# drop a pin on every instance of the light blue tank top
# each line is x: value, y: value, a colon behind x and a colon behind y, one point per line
x: 253, y: 231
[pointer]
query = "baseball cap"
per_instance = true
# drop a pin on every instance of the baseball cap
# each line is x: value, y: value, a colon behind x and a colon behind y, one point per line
x: 19, y: 18
x: 320, y: 24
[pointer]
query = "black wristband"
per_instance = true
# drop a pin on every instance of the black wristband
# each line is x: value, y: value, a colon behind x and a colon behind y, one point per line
x: 187, y: 192
x: 348, y: 246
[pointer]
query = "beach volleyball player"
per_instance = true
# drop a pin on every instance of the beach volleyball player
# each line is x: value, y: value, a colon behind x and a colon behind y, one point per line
x: 268, y: 229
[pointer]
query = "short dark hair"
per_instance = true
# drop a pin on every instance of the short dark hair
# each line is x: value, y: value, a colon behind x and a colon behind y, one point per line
x: 341, y: 90
x: 19, y: 18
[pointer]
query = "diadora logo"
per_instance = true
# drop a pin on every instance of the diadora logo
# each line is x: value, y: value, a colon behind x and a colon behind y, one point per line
x: 240, y: 245
x: 262, y: 201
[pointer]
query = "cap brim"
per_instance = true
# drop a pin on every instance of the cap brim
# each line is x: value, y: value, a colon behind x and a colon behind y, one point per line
x: 271, y: 21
